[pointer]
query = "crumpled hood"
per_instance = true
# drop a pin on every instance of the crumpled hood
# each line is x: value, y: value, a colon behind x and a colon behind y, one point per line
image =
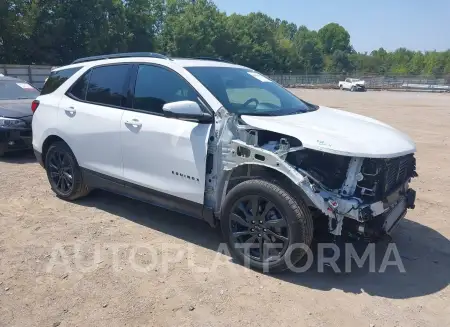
x: 339, y: 132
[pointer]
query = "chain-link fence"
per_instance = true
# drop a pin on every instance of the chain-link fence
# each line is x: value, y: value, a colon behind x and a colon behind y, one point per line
x: 36, y: 75
x: 331, y: 81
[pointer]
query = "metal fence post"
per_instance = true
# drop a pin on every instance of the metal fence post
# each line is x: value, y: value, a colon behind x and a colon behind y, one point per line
x: 30, y: 75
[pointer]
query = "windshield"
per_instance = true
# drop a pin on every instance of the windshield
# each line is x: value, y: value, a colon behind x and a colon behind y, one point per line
x: 246, y: 92
x: 14, y: 90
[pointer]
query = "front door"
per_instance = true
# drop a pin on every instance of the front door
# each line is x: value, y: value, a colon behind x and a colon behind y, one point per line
x: 165, y: 156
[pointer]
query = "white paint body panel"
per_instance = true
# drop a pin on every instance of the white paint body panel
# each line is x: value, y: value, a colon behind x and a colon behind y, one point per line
x: 45, y: 120
x: 91, y: 131
x: 339, y: 132
x: 160, y: 146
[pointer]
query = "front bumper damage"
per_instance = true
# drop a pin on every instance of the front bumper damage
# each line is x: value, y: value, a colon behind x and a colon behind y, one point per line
x: 371, y: 220
x: 346, y: 214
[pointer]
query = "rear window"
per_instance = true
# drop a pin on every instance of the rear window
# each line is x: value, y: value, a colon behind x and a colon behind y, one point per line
x: 14, y: 90
x: 57, y: 78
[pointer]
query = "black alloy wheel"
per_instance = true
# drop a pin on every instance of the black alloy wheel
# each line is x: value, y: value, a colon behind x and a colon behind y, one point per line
x: 61, y: 171
x: 256, y: 223
x: 265, y: 226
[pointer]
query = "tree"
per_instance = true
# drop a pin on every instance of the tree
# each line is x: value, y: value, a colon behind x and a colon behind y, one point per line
x: 333, y: 37
x: 340, y: 63
x: 195, y: 29
x: 55, y: 32
x: 144, y: 19
x: 253, y: 40
x: 308, y: 50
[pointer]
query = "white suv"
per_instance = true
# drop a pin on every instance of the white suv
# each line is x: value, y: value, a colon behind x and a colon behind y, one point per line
x: 221, y: 142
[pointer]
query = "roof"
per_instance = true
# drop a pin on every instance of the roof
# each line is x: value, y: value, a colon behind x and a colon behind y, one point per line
x: 183, y: 62
x: 186, y: 62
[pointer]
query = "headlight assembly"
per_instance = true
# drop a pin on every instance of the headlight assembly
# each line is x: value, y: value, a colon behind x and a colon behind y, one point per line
x: 11, y: 123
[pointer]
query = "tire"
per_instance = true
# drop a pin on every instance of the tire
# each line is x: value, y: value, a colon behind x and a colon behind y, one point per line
x: 341, y: 87
x: 352, y: 89
x: 297, y: 224
x: 69, y: 167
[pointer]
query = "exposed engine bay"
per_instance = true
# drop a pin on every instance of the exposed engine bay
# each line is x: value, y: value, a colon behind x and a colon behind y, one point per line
x: 362, y: 196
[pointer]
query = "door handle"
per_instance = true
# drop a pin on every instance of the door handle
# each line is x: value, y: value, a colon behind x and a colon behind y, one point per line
x: 70, y: 110
x: 134, y: 122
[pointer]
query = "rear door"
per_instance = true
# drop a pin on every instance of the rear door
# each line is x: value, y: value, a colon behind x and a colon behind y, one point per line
x: 166, y: 156
x: 90, y: 118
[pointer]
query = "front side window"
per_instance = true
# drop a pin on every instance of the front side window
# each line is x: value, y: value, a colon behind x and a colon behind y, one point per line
x: 246, y: 92
x: 57, y: 78
x: 156, y: 86
x: 107, y: 85
x: 16, y: 89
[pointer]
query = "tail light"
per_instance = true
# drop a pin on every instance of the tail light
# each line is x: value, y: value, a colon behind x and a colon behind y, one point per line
x: 34, y: 105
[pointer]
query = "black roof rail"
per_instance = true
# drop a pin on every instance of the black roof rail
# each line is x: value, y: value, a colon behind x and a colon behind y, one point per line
x: 122, y: 55
x: 212, y: 59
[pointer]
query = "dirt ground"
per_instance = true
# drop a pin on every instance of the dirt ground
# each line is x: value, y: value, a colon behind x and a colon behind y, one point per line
x: 110, y: 261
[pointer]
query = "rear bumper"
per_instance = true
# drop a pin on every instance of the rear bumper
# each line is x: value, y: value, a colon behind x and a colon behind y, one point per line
x: 15, y: 140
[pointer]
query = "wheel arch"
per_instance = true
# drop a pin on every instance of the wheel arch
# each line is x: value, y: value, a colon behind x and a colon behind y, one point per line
x: 248, y: 171
x: 48, y: 142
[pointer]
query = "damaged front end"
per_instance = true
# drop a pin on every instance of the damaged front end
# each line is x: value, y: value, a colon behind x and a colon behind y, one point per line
x: 363, y: 197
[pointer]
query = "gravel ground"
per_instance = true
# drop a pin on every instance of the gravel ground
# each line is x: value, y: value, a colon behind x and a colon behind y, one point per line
x: 108, y: 260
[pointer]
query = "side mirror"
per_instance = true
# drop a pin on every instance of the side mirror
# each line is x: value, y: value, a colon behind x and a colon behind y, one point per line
x: 188, y: 110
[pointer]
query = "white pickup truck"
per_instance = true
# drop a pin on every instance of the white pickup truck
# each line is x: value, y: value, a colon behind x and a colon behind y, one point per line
x: 352, y: 84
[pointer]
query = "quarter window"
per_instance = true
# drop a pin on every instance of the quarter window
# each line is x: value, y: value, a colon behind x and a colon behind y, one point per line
x: 79, y: 89
x: 107, y: 85
x: 57, y: 78
x: 156, y: 86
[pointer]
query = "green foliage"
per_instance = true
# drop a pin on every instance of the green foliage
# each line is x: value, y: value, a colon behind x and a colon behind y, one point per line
x: 56, y: 32
x: 334, y: 37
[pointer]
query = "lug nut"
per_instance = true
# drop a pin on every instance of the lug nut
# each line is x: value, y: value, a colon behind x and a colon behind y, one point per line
x: 260, y: 222
x: 264, y: 230
x: 253, y: 222
x: 259, y: 235
x: 252, y: 230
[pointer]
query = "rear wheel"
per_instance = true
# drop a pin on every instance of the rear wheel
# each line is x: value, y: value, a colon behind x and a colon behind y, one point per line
x: 265, y: 226
x: 63, y: 172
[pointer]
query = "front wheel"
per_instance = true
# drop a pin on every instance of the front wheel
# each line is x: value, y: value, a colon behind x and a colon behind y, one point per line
x: 265, y: 226
x: 352, y: 89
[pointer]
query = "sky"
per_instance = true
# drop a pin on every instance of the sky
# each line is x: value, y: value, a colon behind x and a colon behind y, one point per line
x: 391, y: 24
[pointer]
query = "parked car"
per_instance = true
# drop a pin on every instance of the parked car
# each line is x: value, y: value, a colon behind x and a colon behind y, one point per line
x: 16, y: 97
x: 225, y: 144
x: 352, y: 84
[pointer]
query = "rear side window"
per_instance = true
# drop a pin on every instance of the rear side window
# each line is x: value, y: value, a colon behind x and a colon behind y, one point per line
x: 57, y: 78
x: 107, y: 85
x: 79, y: 89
